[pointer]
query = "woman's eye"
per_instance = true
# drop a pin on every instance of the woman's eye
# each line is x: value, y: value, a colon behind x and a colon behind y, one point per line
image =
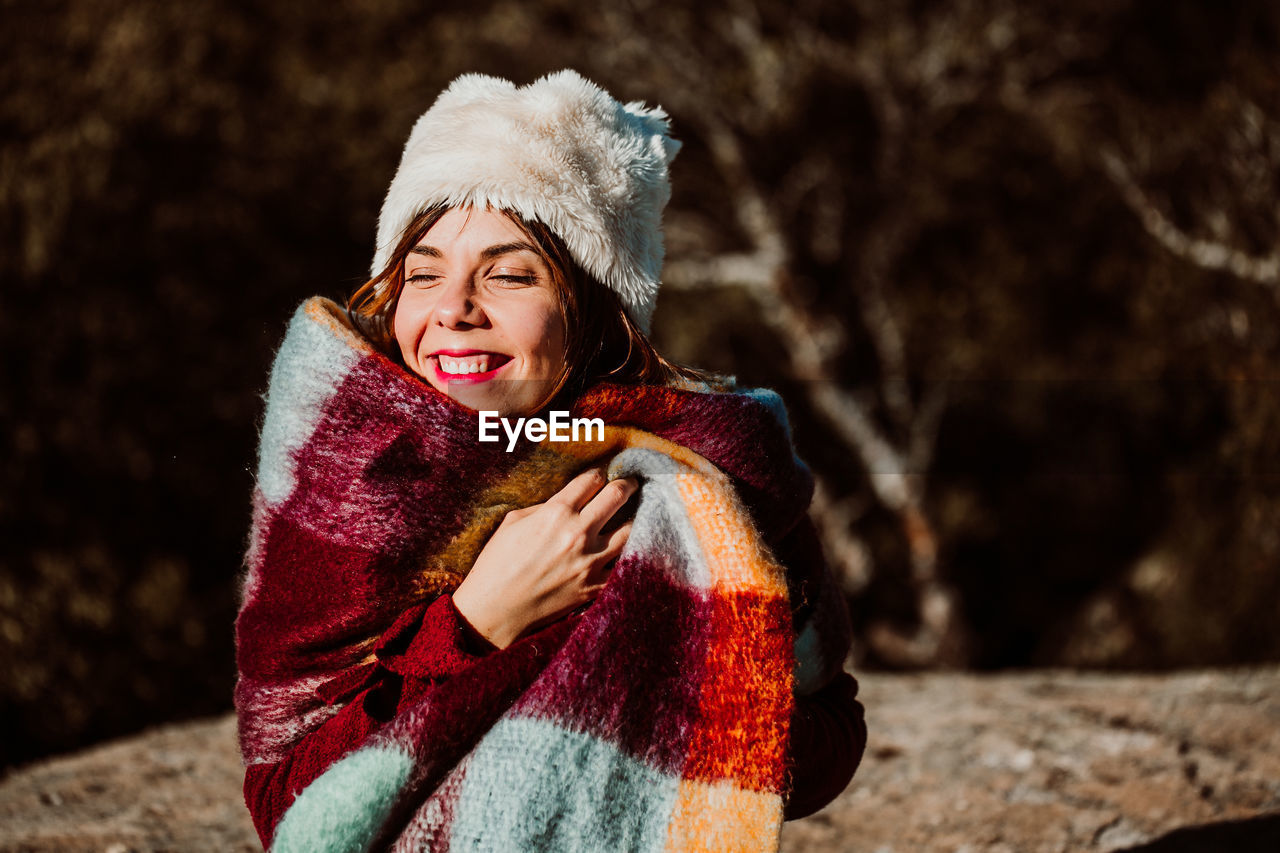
x: 422, y: 279
x: 511, y: 278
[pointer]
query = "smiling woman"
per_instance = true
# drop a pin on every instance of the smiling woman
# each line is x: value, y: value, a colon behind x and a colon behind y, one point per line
x: 627, y: 640
x: 479, y: 315
x: 601, y: 339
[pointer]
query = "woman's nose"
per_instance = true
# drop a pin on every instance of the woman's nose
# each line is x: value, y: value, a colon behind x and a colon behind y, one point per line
x: 457, y: 306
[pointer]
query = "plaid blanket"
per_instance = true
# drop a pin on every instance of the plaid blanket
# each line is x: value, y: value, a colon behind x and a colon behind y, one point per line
x: 655, y: 720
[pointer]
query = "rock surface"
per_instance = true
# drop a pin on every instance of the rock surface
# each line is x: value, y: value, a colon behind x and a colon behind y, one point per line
x: 174, y: 788
x: 1045, y: 762
x: 1039, y: 761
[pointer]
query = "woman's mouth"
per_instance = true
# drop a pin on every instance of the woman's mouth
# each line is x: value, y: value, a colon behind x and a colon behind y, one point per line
x: 467, y: 366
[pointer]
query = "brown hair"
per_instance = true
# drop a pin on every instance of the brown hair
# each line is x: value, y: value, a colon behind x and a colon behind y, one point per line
x: 602, y: 342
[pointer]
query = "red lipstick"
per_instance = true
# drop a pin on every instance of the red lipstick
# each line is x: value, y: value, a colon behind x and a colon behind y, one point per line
x: 446, y: 379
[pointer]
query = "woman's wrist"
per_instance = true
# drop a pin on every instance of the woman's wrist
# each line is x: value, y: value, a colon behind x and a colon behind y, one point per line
x: 481, y: 620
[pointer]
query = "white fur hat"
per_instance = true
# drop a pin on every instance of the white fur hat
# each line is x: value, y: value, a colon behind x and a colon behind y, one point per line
x: 560, y: 150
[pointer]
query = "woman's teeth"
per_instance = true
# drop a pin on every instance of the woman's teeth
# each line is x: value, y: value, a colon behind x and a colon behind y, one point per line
x: 460, y: 366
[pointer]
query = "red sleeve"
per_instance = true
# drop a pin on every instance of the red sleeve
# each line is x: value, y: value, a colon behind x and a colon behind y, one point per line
x: 828, y: 731
x: 434, y: 646
x: 426, y: 645
x: 828, y: 736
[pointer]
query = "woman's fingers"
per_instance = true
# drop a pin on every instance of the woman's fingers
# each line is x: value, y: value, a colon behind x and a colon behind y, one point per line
x: 607, y: 502
x: 617, y: 539
x: 581, y: 489
x: 596, y: 498
x: 607, y: 560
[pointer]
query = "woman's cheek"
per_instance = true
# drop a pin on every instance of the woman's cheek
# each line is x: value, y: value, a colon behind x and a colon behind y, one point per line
x: 407, y: 326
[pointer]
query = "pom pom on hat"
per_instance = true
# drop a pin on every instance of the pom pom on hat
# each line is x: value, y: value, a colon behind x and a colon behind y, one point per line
x: 560, y: 150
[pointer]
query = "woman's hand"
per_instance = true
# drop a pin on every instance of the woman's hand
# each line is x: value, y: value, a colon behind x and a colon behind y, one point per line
x: 545, y: 560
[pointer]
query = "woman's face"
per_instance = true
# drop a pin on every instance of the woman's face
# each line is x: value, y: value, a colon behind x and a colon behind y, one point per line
x: 479, y: 318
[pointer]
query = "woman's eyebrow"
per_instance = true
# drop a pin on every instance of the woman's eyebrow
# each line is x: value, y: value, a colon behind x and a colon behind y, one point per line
x: 487, y: 254
x: 504, y: 248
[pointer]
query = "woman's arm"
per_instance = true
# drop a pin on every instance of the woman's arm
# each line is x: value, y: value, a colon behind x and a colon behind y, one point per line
x: 828, y: 737
x: 828, y: 730
x: 540, y: 564
x: 425, y: 646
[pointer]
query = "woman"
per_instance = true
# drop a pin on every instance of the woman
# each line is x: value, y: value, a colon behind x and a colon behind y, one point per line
x: 622, y: 640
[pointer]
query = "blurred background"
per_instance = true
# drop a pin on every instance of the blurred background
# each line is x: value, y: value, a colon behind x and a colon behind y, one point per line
x: 1013, y: 266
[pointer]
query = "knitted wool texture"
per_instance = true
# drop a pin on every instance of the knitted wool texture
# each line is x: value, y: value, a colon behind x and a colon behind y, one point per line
x: 656, y: 720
